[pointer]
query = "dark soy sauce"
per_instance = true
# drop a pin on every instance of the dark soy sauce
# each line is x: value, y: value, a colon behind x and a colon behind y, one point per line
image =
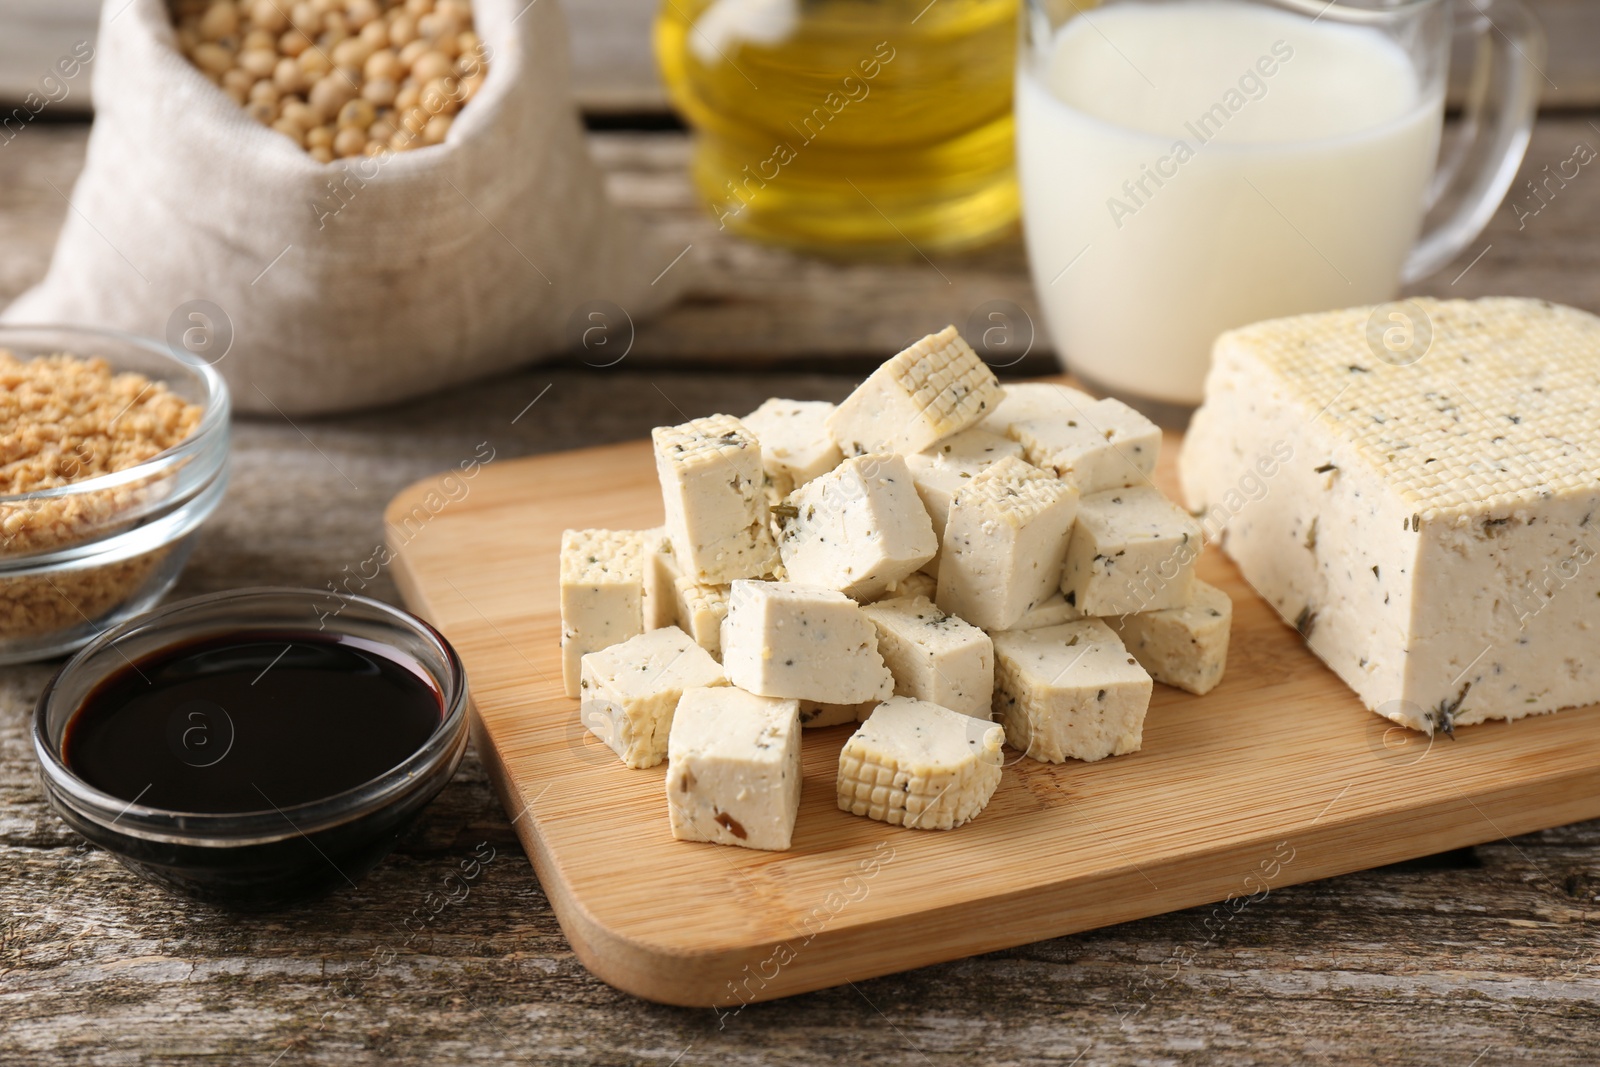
x: 252, y: 722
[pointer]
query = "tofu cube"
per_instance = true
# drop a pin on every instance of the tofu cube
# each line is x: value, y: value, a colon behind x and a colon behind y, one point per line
x: 1034, y: 400
x: 795, y: 446
x: 941, y: 470
x: 631, y: 689
x: 1069, y: 692
x: 1053, y: 610
x: 700, y: 611
x: 933, y: 389
x: 1132, y: 550
x: 1185, y: 647
x: 716, y: 507
x: 814, y: 714
x: 1004, y: 543
x: 1107, y: 445
x: 661, y: 571
x: 602, y: 594
x: 802, y: 642
x: 734, y: 774
x: 857, y: 529
x: 935, y: 656
x: 919, y: 765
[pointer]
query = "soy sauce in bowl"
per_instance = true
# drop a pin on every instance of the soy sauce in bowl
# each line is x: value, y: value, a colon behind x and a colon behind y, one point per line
x: 253, y: 748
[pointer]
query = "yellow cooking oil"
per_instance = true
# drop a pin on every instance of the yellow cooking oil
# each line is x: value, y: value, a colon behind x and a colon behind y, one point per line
x: 859, y: 127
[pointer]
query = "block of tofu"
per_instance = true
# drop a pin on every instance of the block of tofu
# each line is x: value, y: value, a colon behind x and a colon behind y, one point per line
x: 857, y: 529
x: 1053, y: 610
x: 1034, y: 400
x: 661, y: 572
x: 712, y: 490
x: 941, y: 470
x: 933, y: 389
x: 786, y: 640
x: 795, y: 445
x: 918, y: 583
x: 1069, y: 692
x: 700, y: 610
x: 1185, y: 647
x: 1004, y: 543
x: 734, y: 774
x: 1426, y: 514
x: 935, y: 656
x: 1107, y: 445
x: 630, y: 691
x: 814, y: 714
x: 916, y: 764
x: 1132, y: 550
x: 602, y: 594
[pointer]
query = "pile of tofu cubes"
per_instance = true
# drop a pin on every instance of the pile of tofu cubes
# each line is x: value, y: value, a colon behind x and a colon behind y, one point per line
x: 949, y: 563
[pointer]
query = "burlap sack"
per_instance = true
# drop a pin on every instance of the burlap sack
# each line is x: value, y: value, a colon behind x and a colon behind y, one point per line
x: 348, y: 284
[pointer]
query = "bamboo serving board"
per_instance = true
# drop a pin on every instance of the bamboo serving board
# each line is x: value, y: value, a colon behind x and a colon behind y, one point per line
x: 1277, y: 776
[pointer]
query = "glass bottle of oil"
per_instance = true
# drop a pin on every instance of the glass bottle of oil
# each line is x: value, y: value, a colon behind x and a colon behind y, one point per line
x: 853, y: 126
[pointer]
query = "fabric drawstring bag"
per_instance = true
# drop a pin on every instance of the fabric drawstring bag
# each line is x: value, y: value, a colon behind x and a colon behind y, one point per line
x: 327, y: 287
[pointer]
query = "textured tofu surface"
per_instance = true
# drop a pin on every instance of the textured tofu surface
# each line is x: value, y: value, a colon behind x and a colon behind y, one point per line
x: 661, y: 571
x: 1004, y: 543
x: 1035, y: 400
x: 940, y: 471
x: 1106, y: 445
x: 629, y: 691
x: 1429, y: 518
x: 1069, y: 692
x: 916, y: 764
x: 712, y: 489
x: 1132, y: 550
x: 602, y: 594
x: 1184, y: 647
x: 935, y: 656
x: 780, y: 639
x: 795, y: 445
x: 858, y: 529
x: 700, y: 609
x: 931, y: 390
x: 734, y: 774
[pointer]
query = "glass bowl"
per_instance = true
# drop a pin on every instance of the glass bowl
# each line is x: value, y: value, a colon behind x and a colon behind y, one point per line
x: 259, y: 859
x: 84, y: 556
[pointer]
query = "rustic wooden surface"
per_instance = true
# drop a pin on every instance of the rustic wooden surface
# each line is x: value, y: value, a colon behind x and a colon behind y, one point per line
x: 1485, y: 956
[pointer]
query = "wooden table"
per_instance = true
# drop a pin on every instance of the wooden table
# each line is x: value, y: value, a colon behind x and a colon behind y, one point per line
x: 1478, y: 957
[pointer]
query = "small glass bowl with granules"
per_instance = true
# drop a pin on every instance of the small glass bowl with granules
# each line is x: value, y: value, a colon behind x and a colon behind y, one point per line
x: 113, y: 451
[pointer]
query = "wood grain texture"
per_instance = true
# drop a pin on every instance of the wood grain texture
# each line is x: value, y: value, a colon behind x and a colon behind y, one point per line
x: 1278, y: 776
x: 1487, y: 954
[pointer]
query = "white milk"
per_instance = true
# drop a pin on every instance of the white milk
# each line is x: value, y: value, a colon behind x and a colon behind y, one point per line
x: 1275, y: 166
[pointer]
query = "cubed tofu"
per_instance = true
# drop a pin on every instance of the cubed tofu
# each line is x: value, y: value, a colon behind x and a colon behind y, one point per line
x: 1034, y: 400
x: 1108, y: 445
x: 940, y: 471
x: 1004, y: 543
x: 804, y: 642
x: 700, y: 610
x: 712, y: 489
x: 734, y: 774
x: 661, y: 571
x: 602, y: 594
x: 1185, y: 647
x: 1132, y: 550
x: 631, y: 689
x: 1069, y: 692
x: 1052, y: 611
x: 919, y: 765
x: 931, y: 390
x: 795, y: 445
x: 857, y: 529
x: 935, y: 656
x: 814, y: 714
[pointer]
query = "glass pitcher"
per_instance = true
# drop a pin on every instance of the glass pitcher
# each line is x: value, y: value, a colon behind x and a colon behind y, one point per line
x: 848, y: 126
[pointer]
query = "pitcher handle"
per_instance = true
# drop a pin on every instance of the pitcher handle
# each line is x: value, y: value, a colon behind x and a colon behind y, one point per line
x: 1496, y: 123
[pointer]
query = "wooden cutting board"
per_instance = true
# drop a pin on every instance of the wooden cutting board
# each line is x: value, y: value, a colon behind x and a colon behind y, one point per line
x: 1277, y: 776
